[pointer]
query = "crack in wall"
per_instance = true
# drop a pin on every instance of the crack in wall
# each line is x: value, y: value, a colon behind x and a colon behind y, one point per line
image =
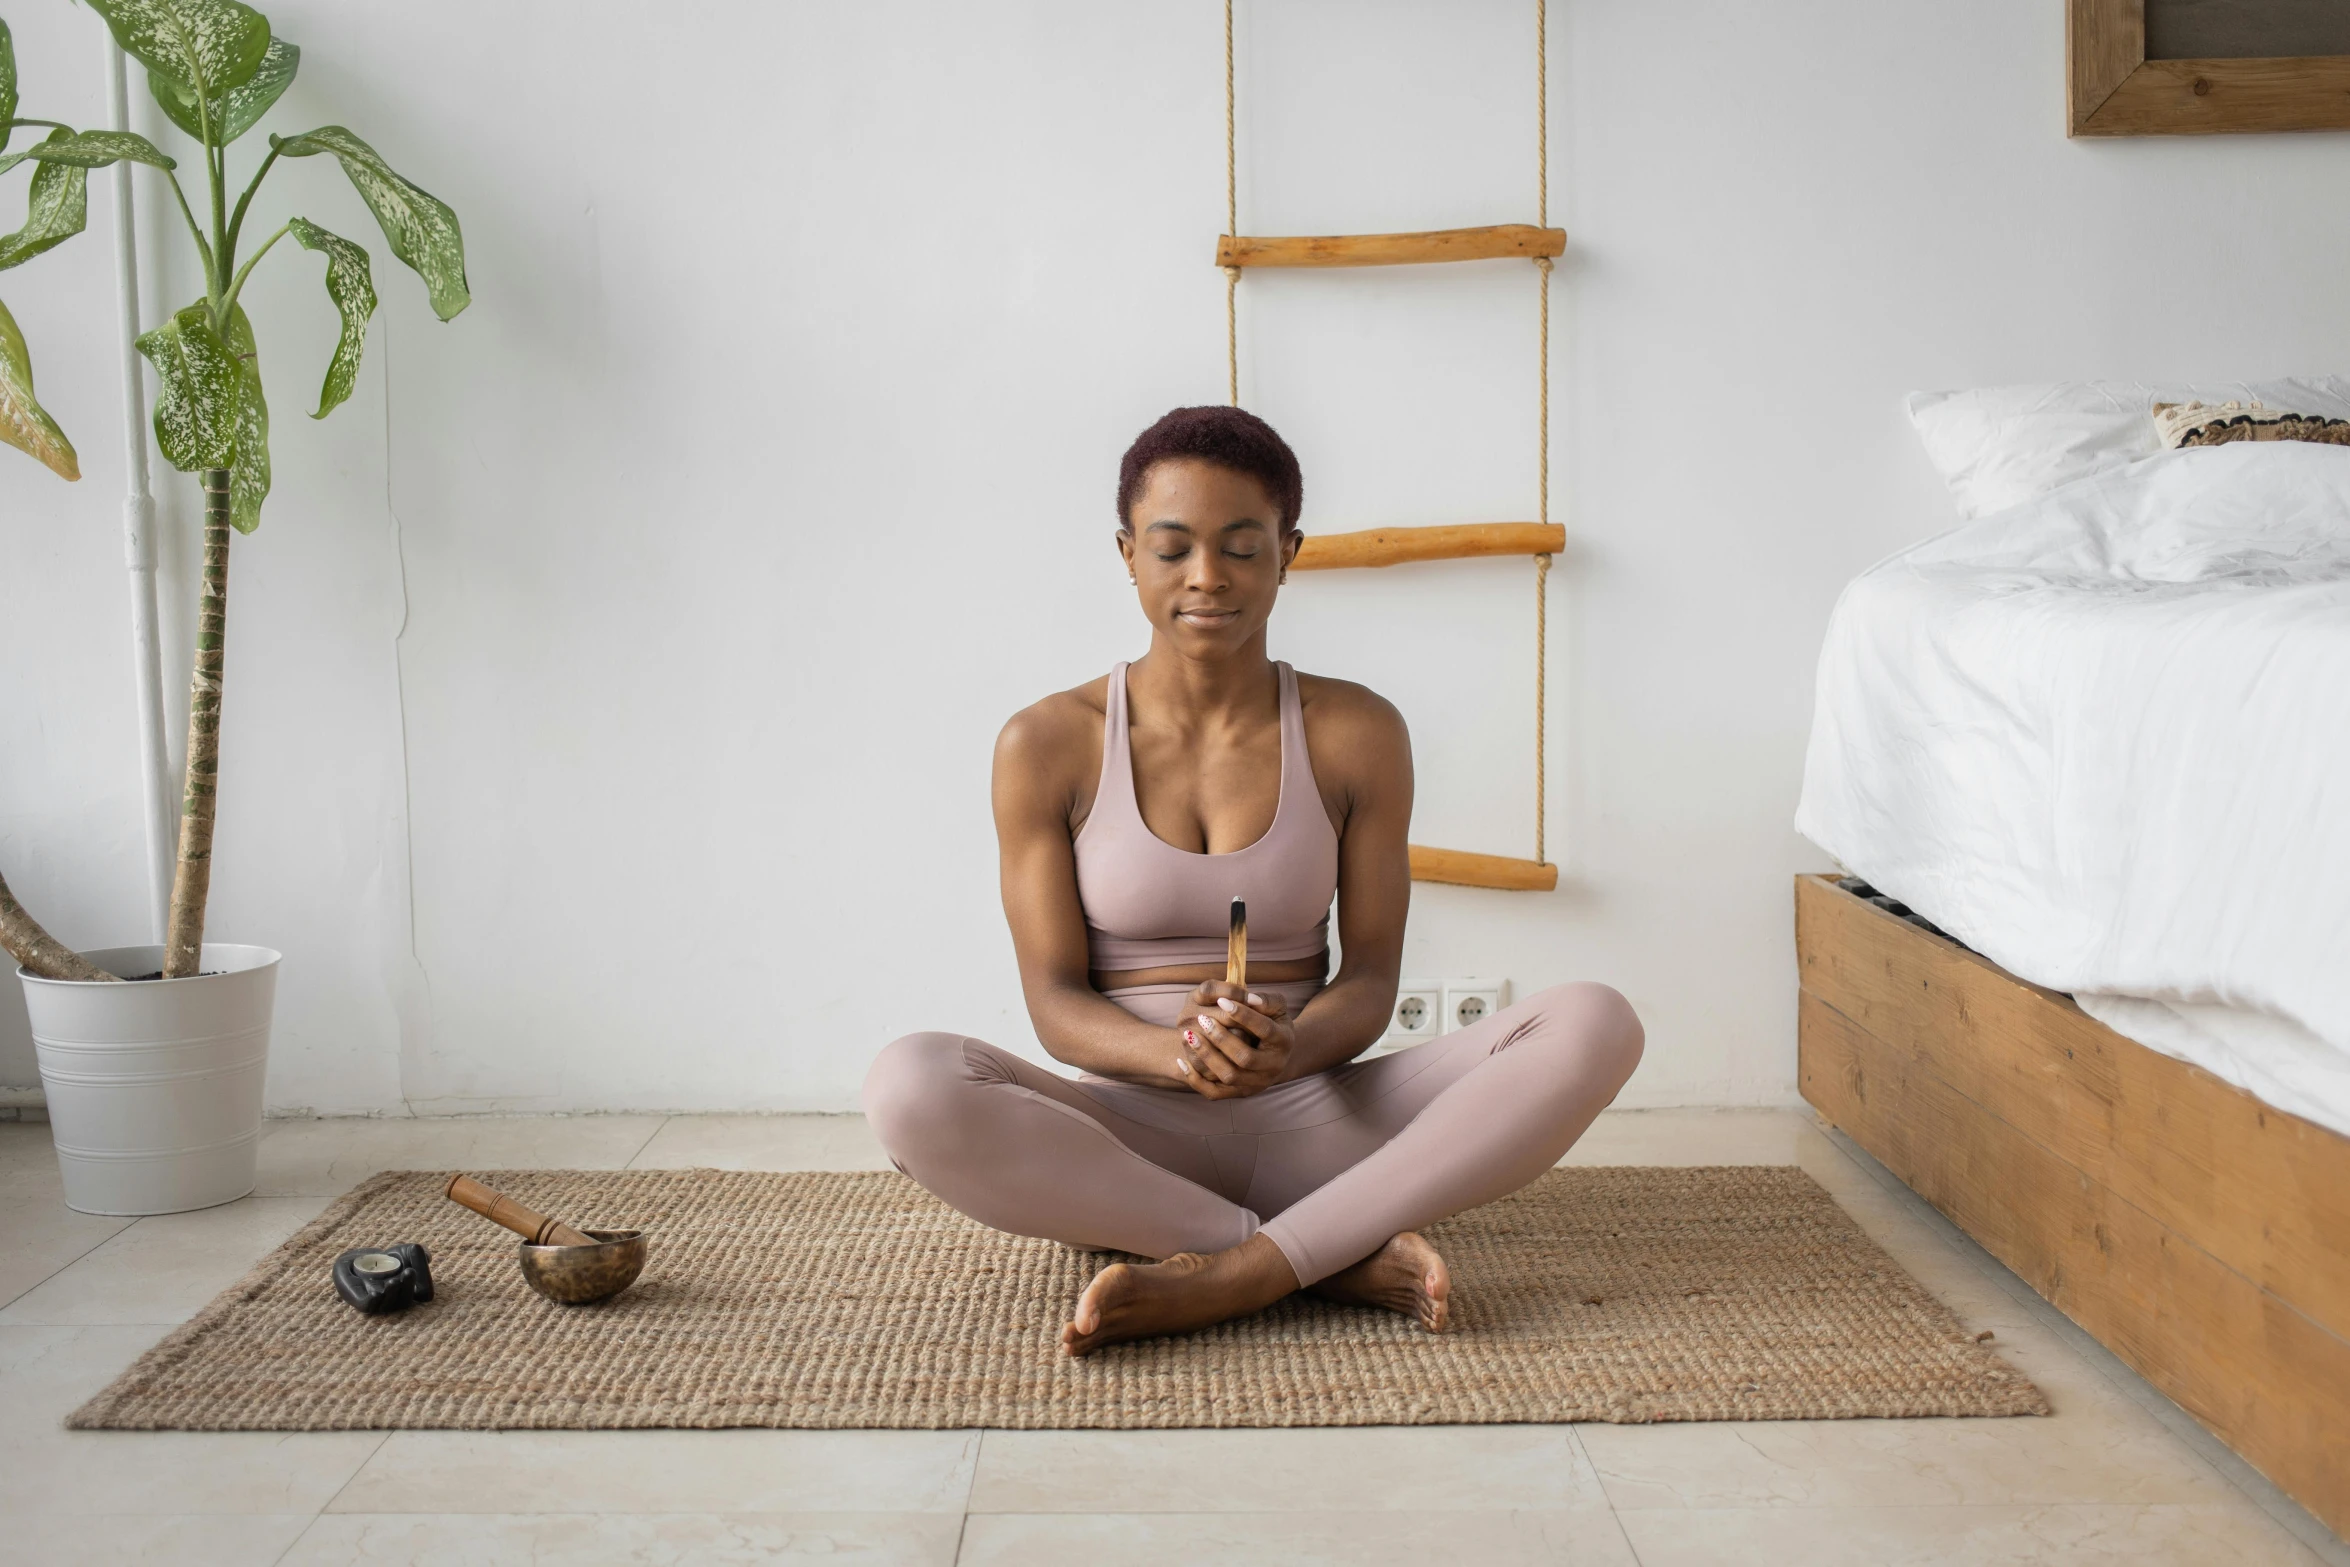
x: 413, y: 1028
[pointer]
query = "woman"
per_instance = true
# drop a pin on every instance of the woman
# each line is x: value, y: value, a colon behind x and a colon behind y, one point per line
x: 1228, y: 1131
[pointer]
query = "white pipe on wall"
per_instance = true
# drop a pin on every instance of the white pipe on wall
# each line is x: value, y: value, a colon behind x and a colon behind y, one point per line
x: 138, y: 522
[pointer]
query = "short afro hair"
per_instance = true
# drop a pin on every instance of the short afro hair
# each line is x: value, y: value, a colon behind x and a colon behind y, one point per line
x: 1230, y: 438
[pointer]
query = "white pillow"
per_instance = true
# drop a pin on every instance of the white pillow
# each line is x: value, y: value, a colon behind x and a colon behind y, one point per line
x: 1998, y: 446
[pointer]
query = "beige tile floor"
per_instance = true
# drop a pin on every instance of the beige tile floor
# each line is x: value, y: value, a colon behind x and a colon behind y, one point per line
x: 2118, y: 1475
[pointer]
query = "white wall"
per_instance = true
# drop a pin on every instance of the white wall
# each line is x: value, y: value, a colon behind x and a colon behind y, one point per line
x: 611, y: 682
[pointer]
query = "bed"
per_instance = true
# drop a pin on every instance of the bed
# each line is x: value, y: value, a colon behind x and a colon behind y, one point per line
x: 2095, y: 745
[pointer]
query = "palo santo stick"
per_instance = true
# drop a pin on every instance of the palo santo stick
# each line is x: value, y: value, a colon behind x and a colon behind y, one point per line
x: 1236, y: 946
x: 498, y: 1208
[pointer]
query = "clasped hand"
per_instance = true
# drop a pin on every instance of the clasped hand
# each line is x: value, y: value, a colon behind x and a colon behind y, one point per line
x: 1236, y: 1042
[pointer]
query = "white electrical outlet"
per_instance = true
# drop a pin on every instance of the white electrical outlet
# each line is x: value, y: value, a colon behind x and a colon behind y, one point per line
x: 1468, y: 1001
x: 1418, y: 1015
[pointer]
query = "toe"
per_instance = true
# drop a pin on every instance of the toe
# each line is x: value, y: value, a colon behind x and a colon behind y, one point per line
x: 1088, y: 1316
x: 1077, y: 1340
x: 1077, y: 1345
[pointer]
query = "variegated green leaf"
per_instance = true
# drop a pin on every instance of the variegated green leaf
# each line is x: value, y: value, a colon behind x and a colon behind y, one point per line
x: 56, y: 206
x: 248, y: 482
x: 209, y: 44
x: 23, y: 423
x: 420, y: 227
x: 7, y: 82
x: 235, y: 111
x: 96, y: 149
x: 195, y: 392
x: 349, y: 284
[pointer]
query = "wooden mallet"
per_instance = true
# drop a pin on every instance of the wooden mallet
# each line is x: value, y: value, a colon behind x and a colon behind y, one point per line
x: 498, y: 1208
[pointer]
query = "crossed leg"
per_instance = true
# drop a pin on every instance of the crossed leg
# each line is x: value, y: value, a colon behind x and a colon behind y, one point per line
x: 1349, y: 1164
x: 1020, y: 1149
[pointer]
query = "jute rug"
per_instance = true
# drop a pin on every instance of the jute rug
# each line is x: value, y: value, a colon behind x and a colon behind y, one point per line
x: 831, y: 1300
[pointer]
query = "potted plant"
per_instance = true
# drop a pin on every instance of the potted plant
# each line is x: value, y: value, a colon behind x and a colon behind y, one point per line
x: 154, y: 1089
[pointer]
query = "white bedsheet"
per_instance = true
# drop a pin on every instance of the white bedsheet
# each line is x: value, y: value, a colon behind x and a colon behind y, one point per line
x: 2104, y: 739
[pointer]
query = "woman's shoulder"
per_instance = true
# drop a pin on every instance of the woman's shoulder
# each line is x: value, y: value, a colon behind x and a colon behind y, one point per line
x: 1347, y: 706
x: 1057, y: 730
x: 1357, y: 743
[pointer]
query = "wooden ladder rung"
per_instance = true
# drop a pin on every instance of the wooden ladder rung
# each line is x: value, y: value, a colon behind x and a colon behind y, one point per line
x: 1455, y: 541
x: 1463, y: 869
x: 1389, y: 250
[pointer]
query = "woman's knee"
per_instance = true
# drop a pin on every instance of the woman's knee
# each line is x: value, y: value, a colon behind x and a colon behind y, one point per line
x: 1596, y: 1023
x: 913, y: 1085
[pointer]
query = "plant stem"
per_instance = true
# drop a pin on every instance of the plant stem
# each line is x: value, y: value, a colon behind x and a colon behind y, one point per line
x: 238, y: 287
x: 191, y: 882
x: 55, y: 125
x: 236, y: 222
x: 195, y: 229
x: 216, y: 176
x: 40, y: 952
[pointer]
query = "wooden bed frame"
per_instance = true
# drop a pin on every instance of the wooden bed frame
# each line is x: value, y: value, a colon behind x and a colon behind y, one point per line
x: 2201, y: 1235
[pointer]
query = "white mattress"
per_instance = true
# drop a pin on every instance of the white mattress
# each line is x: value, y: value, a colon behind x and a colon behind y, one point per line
x: 2103, y: 738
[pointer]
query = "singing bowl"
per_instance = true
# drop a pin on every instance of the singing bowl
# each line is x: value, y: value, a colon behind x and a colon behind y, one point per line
x: 582, y: 1275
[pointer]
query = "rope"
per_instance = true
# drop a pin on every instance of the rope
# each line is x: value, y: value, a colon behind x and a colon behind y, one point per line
x: 1542, y: 572
x: 1541, y: 425
x: 1232, y: 336
x: 1542, y: 404
x: 1541, y: 669
x: 1232, y: 227
x: 1231, y: 182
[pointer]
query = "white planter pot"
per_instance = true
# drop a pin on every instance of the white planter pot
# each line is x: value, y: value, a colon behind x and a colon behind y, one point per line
x: 154, y: 1087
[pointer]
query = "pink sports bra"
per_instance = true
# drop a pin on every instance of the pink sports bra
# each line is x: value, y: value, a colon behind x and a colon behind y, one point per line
x: 1149, y: 904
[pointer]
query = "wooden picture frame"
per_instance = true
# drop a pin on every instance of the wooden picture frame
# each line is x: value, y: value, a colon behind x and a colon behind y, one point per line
x: 2113, y: 89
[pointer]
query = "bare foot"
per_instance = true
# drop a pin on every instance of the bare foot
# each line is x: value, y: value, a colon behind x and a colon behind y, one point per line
x: 1187, y: 1291
x: 1405, y: 1275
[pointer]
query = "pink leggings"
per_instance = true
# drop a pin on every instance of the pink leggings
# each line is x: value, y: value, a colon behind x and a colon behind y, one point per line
x: 1328, y: 1167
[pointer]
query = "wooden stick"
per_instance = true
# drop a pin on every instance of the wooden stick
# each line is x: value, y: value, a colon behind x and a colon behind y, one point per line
x: 1236, y: 946
x: 1499, y: 241
x: 498, y: 1208
x: 1463, y: 869
x: 1453, y: 541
